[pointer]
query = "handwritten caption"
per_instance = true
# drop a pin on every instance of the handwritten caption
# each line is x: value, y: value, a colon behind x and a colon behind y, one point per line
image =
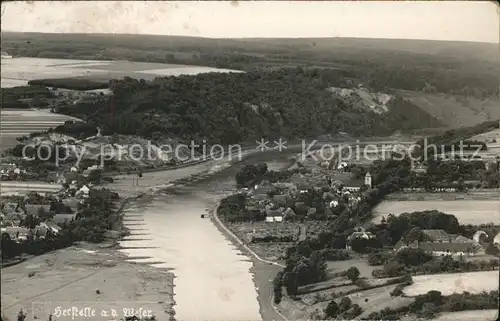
x: 118, y: 311
x: 88, y: 312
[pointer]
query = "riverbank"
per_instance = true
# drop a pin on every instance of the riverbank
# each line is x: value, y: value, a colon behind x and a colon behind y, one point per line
x: 263, y: 271
x: 85, y: 274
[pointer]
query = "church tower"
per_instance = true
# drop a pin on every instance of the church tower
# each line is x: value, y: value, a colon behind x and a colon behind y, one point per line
x: 368, y: 180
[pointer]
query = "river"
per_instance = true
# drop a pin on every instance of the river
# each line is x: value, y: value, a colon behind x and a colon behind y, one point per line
x: 213, y: 280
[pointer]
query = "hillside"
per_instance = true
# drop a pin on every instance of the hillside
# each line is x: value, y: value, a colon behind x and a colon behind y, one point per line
x: 237, y: 107
x: 455, y: 110
x: 433, y: 84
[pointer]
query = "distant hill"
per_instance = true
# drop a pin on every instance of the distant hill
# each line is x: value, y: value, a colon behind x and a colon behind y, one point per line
x: 451, y: 49
x: 455, y: 82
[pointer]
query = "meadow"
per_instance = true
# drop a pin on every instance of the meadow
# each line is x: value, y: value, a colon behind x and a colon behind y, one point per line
x: 447, y: 284
x: 466, y: 211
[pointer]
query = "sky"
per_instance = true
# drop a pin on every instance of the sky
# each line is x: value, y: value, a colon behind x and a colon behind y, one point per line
x: 476, y: 21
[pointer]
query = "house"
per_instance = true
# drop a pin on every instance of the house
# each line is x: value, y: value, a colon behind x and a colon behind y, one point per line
x: 274, y: 216
x: 440, y: 236
x: 17, y: 233
x: 436, y: 235
x: 11, y: 208
x: 72, y: 203
x: 41, y: 232
x: 5, y: 55
x: 418, y: 168
x: 342, y: 165
x: 34, y: 209
x: 440, y: 243
x: 496, y: 239
x: 289, y: 214
x: 263, y: 190
x: 334, y: 203
x: 50, y: 226
x: 450, y: 248
x: 63, y: 218
x: 83, y: 191
x: 358, y: 235
x: 479, y: 235
x: 355, y: 185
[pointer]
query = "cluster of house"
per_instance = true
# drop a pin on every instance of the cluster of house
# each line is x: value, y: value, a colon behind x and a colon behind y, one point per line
x: 278, y: 208
x: 80, y: 95
x: 437, y: 242
x: 440, y: 243
x: 10, y: 172
x: 14, y: 213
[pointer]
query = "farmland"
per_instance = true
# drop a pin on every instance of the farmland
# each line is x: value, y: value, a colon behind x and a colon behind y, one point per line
x: 16, y: 123
x: 10, y: 188
x: 469, y: 315
x: 466, y: 211
x: 447, y: 284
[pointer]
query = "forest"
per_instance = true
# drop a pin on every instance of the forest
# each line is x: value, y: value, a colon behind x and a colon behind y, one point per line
x: 238, y: 107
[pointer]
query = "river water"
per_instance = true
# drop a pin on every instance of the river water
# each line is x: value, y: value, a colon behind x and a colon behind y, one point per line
x: 213, y: 278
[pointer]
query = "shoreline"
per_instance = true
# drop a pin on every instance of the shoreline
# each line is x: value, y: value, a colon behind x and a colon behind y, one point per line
x: 265, y: 298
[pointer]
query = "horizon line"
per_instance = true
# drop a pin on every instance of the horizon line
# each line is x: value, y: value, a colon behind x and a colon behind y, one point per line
x: 244, y: 38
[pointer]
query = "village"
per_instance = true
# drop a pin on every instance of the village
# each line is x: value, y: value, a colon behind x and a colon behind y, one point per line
x: 295, y: 211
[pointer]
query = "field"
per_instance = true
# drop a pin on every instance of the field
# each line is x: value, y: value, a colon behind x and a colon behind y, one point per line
x: 16, y: 123
x: 466, y: 211
x: 11, y: 188
x: 362, y: 265
x: 455, y: 110
x: 447, y: 284
x: 477, y: 195
x: 481, y: 315
x: 488, y: 137
x: 18, y: 71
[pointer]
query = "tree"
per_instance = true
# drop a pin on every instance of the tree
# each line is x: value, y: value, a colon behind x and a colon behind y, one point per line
x: 29, y: 222
x: 290, y: 282
x: 428, y: 310
x: 345, y: 304
x: 21, y: 316
x: 352, y: 273
x: 332, y: 309
x: 398, y: 291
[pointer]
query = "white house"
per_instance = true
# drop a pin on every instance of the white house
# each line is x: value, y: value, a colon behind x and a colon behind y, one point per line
x: 342, y: 165
x: 355, y: 185
x: 83, y: 191
x: 334, y: 203
x: 5, y: 55
x: 358, y: 235
x: 51, y: 227
x: 274, y: 216
x: 496, y: 239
